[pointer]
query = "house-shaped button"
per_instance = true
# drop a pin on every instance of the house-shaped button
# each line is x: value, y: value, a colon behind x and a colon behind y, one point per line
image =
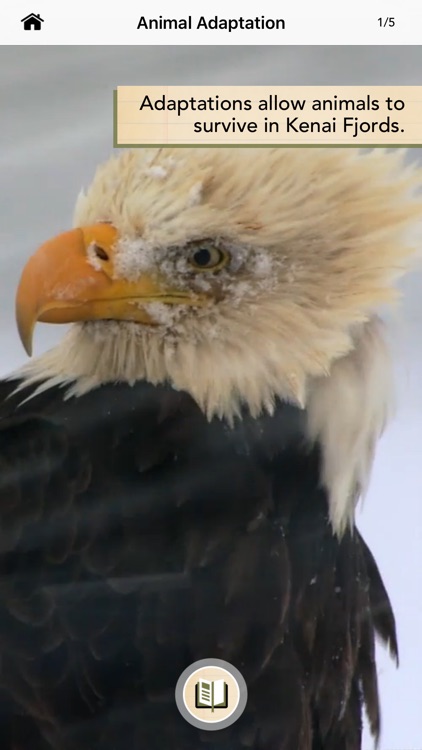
x: 32, y: 22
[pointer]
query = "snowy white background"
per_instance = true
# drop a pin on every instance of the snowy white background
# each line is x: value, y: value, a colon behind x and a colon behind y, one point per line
x: 56, y: 125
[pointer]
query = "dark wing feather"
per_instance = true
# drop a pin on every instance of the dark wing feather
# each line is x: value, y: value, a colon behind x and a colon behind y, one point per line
x: 381, y: 611
x: 136, y: 538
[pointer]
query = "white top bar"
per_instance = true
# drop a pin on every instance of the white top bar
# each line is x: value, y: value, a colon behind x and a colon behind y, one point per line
x: 323, y: 22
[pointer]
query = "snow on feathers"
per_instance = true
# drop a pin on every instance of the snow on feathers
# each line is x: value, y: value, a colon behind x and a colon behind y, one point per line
x: 317, y: 238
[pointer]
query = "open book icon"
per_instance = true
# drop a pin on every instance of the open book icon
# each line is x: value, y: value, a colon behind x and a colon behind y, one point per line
x: 211, y: 694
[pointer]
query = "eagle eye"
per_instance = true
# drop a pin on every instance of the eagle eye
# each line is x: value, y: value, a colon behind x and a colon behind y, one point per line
x: 206, y: 257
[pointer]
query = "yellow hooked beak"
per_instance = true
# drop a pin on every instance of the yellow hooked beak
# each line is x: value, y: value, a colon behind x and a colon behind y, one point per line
x: 71, y: 278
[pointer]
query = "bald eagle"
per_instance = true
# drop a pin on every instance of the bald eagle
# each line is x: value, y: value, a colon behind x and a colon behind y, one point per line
x: 179, y: 476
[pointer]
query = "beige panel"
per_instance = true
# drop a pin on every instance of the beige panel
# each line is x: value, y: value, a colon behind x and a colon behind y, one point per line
x: 269, y: 115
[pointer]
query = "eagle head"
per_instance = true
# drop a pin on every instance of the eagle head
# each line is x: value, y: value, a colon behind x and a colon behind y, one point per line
x: 241, y: 276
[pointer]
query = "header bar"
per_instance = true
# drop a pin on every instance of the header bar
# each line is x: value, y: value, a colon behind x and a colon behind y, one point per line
x: 46, y: 22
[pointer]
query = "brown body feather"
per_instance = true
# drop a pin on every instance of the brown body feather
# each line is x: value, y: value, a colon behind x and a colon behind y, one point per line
x: 137, y: 537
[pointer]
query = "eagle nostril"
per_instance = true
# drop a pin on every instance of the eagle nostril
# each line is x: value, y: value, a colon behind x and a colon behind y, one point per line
x: 100, y: 253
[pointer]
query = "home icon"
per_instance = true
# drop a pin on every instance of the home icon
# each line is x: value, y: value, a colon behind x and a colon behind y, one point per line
x: 32, y: 22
